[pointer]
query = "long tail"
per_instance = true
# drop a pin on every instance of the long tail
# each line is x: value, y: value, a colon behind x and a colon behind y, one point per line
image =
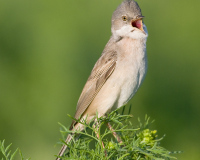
x: 78, y: 126
x: 64, y: 147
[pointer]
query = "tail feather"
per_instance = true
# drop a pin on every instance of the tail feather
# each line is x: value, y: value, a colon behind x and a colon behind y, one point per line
x: 64, y: 147
x: 78, y: 126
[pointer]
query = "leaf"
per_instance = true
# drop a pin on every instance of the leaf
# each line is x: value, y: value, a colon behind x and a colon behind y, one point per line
x: 136, y: 142
x: 12, y: 156
x: 8, y: 147
x: 121, y: 158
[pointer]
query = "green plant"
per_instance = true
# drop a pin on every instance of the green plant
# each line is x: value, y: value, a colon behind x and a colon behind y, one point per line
x: 6, y: 152
x: 138, y: 143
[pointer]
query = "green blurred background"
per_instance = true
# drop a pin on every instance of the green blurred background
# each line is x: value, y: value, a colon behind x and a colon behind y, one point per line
x: 48, y: 48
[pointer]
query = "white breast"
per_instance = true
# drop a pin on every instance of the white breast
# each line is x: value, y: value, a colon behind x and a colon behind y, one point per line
x: 131, y: 68
x: 125, y: 80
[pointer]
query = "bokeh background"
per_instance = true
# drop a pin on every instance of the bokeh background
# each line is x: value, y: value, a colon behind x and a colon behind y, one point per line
x: 48, y: 48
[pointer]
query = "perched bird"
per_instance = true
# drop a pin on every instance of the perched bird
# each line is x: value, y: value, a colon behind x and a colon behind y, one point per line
x: 119, y: 71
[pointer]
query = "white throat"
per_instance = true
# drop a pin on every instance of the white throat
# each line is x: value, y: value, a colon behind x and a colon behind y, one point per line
x: 130, y: 32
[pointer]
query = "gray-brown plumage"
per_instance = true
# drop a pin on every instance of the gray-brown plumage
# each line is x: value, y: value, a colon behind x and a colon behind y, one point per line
x: 119, y: 71
x: 100, y: 73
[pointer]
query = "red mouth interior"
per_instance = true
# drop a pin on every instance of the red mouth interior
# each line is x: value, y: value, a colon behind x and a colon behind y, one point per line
x: 137, y: 24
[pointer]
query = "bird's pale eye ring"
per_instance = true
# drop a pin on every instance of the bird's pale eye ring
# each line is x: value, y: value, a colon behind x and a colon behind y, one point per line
x: 124, y: 18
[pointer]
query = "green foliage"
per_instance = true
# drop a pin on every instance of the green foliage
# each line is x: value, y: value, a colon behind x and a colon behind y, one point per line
x: 6, y: 152
x: 138, y: 143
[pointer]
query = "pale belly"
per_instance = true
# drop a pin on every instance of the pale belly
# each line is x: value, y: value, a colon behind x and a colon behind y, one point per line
x: 124, y: 82
x: 120, y: 87
x: 130, y: 77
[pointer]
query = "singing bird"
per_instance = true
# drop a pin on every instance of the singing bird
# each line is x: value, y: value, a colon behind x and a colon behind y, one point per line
x: 119, y: 71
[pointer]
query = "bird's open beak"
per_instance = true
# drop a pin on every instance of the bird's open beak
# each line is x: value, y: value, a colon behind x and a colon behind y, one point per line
x: 138, y: 23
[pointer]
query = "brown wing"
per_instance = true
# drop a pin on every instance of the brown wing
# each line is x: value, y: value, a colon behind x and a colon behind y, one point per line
x: 102, y: 70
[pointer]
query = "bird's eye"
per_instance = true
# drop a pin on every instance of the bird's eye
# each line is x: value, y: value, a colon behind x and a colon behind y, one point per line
x: 124, y: 18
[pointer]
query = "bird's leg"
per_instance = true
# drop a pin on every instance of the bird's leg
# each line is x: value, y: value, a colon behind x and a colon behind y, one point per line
x: 96, y: 127
x: 114, y: 133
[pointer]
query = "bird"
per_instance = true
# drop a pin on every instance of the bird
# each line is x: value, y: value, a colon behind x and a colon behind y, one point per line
x: 119, y: 71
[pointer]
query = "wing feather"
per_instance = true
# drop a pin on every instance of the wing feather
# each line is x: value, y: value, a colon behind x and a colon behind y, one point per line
x: 102, y: 70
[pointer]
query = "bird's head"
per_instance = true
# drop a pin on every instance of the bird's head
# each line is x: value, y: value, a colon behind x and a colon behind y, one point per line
x: 127, y: 21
